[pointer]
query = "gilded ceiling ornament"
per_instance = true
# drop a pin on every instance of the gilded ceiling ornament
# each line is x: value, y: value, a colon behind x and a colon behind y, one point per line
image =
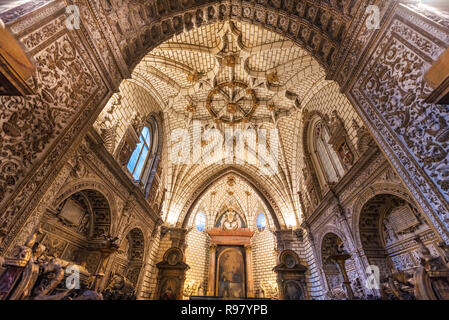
x: 204, y: 143
x: 272, y: 77
x: 231, y: 181
x: 231, y: 108
x: 230, y: 60
x: 271, y: 107
x: 191, y: 108
x: 230, y: 221
x: 193, y: 77
x: 237, y: 107
x: 229, y: 208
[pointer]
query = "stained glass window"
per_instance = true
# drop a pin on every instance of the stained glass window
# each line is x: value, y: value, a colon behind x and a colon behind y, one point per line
x: 200, y: 221
x: 261, y: 221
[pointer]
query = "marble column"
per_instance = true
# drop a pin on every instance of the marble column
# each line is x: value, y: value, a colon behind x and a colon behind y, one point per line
x: 211, y: 281
x: 249, y: 272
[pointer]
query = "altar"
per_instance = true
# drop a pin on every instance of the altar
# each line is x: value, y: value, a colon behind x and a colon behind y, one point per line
x: 230, y: 263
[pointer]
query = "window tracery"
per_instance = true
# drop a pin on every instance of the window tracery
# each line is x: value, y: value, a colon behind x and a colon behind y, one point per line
x: 326, y: 160
x: 143, y: 161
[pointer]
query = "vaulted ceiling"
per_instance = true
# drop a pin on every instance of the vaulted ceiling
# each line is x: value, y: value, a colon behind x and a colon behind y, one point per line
x: 230, y: 75
x: 229, y: 72
x: 231, y: 191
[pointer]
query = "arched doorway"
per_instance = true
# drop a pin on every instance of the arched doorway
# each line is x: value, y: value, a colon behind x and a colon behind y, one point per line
x: 339, y: 269
x: 75, y: 225
x: 136, y: 251
x: 388, y: 225
x: 223, y: 216
x: 129, y: 260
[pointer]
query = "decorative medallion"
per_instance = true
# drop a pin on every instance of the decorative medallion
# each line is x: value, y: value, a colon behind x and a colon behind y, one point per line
x: 231, y: 181
x: 231, y: 102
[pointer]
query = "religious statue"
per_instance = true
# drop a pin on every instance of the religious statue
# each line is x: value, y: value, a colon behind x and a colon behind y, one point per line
x: 190, y: 288
x: 119, y: 288
x: 109, y: 242
x: 335, y: 123
x: 390, y: 235
x: 201, y: 289
x: 399, y: 285
x: 432, y: 277
x: 340, y: 247
x: 357, y: 288
x: 168, y: 294
x: 34, y: 274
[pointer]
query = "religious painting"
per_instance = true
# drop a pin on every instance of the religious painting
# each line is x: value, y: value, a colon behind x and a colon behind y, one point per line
x: 168, y: 289
x: 292, y: 291
x: 230, y: 276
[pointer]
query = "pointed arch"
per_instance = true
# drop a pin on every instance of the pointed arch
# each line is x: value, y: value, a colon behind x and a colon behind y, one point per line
x: 252, y: 182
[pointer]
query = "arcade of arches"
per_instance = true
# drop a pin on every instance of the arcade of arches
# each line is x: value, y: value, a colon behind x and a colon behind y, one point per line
x: 272, y: 149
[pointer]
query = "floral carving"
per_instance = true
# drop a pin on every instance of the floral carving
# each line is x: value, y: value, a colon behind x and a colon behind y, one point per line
x: 30, y: 123
x: 397, y: 88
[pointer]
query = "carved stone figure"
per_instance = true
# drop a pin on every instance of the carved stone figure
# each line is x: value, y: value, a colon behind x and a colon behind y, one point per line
x: 119, y: 288
x: 34, y: 275
x: 364, y: 139
x: 357, y: 288
x: 389, y: 232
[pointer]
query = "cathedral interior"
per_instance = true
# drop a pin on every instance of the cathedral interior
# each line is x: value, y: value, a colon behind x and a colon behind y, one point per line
x: 234, y: 149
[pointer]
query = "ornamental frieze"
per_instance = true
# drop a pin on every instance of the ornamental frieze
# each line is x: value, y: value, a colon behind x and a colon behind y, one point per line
x: 65, y: 82
x: 390, y: 91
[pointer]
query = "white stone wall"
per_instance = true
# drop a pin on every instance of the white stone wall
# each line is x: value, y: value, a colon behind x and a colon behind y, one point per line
x: 150, y: 270
x: 197, y: 257
x: 264, y: 258
x: 326, y: 98
x: 314, y: 280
